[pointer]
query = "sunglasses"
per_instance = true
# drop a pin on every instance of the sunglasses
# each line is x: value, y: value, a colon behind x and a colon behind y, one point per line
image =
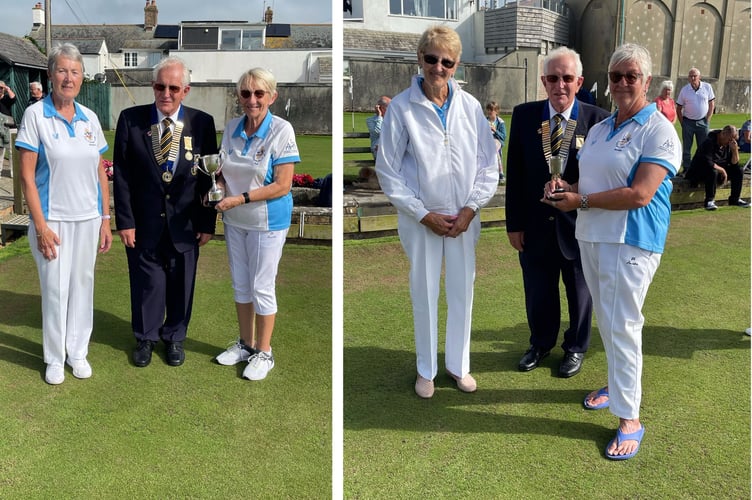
x: 160, y: 87
x: 246, y: 94
x: 616, y: 77
x: 556, y: 78
x: 431, y: 60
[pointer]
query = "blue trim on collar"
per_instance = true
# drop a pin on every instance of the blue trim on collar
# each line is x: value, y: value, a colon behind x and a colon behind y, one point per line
x: 50, y: 111
x: 262, y: 131
x: 641, y: 117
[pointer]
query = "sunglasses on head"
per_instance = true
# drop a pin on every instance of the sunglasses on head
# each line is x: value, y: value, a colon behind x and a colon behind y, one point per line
x: 245, y: 94
x: 556, y: 78
x: 160, y: 87
x: 616, y: 77
x: 431, y: 60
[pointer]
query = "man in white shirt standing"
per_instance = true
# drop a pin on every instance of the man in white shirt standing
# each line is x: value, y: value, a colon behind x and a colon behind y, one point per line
x: 694, y: 108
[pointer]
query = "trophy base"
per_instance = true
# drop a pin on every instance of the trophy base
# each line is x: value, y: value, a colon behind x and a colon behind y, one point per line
x: 213, y: 203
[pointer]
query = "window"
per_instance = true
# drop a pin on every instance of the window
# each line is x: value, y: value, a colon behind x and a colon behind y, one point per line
x: 442, y: 9
x: 131, y: 59
x: 237, y: 39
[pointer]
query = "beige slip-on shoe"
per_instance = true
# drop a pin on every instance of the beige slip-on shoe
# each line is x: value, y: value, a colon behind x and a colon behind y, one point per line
x: 466, y: 383
x: 423, y: 387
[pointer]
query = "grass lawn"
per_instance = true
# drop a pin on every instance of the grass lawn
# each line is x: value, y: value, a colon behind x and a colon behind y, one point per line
x: 195, y: 431
x: 526, y: 435
x: 315, y: 153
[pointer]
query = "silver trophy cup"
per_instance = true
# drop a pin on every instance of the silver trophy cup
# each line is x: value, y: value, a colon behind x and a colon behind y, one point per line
x: 211, y: 165
x: 555, y: 170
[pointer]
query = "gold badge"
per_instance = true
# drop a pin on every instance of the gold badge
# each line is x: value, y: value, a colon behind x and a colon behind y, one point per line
x: 188, y: 155
x: 167, y: 176
x: 188, y: 142
x: 579, y: 141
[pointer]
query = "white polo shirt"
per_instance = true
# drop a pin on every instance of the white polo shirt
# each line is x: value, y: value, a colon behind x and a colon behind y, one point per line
x: 695, y: 103
x: 609, y: 159
x: 67, y: 171
x: 250, y: 164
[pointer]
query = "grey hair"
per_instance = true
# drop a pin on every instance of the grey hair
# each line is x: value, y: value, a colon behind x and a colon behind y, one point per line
x: 65, y: 51
x: 631, y: 52
x: 261, y: 75
x: 667, y: 84
x: 560, y: 52
x: 35, y: 85
x: 172, y: 61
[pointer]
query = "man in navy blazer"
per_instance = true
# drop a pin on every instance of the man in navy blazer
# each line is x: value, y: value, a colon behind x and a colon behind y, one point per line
x: 544, y: 236
x: 159, y: 211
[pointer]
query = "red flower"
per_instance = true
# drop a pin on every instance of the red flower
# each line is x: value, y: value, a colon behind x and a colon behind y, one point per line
x: 302, y: 180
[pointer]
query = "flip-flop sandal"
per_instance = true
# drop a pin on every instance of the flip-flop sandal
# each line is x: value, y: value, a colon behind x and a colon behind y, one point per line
x: 603, y: 391
x: 620, y: 436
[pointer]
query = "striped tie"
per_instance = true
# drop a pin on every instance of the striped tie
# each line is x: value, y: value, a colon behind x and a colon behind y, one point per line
x: 557, y: 135
x: 166, y: 139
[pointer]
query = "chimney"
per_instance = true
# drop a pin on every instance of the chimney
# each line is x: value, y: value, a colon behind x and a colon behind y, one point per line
x: 150, y: 15
x: 37, y: 16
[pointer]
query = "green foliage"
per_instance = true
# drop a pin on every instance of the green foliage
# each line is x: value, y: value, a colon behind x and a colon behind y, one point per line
x: 195, y: 431
x: 526, y: 435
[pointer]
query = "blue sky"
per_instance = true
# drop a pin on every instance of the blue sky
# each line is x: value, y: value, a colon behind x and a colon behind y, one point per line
x: 16, y: 18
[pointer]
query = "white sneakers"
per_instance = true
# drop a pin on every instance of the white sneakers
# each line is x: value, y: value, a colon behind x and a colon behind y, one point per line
x: 259, y: 362
x: 259, y: 366
x: 234, y: 354
x: 710, y: 205
x: 81, y: 367
x: 55, y: 373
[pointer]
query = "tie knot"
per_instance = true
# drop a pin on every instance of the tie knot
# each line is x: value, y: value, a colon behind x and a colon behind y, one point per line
x: 558, y: 118
x: 167, y: 122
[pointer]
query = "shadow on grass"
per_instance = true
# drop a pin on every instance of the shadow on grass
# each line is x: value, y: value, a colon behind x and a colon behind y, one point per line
x: 379, y: 386
x: 378, y: 394
x: 109, y: 329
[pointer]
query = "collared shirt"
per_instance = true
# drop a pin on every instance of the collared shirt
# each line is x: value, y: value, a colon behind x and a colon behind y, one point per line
x: 67, y: 170
x: 695, y: 103
x: 250, y: 164
x: 609, y: 160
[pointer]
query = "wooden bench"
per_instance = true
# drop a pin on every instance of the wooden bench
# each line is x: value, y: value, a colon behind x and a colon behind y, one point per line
x: 15, y: 223
x: 353, y: 154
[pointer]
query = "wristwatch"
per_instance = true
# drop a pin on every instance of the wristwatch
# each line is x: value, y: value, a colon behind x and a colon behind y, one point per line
x: 584, y: 202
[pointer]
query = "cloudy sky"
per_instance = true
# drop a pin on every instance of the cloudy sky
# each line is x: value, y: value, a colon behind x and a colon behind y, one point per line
x: 16, y: 17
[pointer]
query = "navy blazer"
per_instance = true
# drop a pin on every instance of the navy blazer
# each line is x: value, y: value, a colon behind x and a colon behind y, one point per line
x: 143, y: 200
x: 527, y: 173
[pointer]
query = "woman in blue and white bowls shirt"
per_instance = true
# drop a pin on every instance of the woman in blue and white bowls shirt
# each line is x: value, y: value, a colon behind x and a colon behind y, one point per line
x: 261, y: 153
x: 623, y: 197
x: 60, y: 144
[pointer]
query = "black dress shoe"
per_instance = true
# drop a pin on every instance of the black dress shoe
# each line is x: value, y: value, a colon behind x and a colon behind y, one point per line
x: 531, y: 358
x: 175, y: 353
x: 142, y: 353
x: 571, y: 364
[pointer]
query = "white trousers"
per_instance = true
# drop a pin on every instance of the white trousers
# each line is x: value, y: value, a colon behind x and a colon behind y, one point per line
x: 254, y: 260
x: 67, y: 288
x: 426, y: 251
x: 618, y: 277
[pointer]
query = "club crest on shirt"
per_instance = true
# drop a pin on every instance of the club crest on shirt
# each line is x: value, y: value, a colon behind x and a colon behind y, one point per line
x: 259, y: 154
x: 89, y: 136
x: 623, y: 142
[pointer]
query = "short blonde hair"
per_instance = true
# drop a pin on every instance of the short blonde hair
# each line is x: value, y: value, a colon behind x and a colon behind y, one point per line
x: 261, y: 75
x: 440, y: 37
